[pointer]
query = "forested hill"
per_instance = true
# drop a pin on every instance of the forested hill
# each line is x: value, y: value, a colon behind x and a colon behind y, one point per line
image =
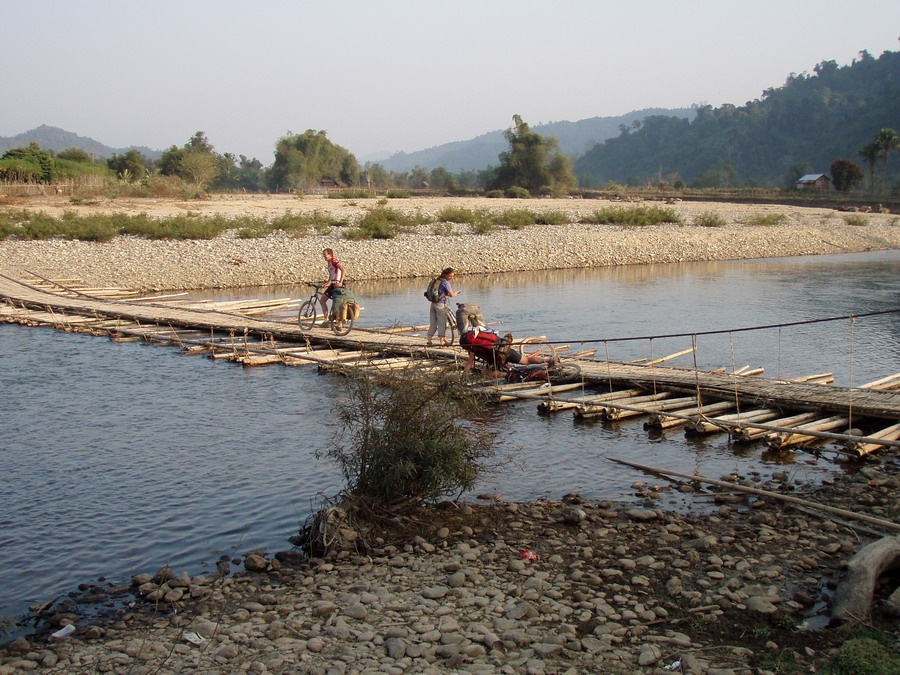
x: 57, y: 140
x: 802, y: 126
x: 481, y: 152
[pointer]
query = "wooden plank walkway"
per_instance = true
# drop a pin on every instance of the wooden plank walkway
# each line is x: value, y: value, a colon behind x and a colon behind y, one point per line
x: 753, y: 392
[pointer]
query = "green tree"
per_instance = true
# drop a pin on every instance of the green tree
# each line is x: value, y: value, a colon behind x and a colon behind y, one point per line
x: 35, y: 164
x: 196, y: 162
x: 845, y: 174
x: 870, y: 153
x: 376, y: 176
x: 303, y: 160
x: 132, y: 165
x: 721, y: 175
x: 532, y: 162
x: 75, y: 155
x: 887, y: 141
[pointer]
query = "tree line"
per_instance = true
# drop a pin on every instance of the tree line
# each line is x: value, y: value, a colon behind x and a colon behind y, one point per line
x: 813, y: 124
x: 303, y: 162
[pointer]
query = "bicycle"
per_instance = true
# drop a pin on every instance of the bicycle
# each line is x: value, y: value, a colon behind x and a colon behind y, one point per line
x: 309, y: 313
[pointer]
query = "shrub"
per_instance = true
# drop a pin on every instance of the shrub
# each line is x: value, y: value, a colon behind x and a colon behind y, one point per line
x: 456, y: 214
x: 484, y: 226
x: 514, y: 219
x: 768, y: 219
x: 381, y: 223
x: 516, y: 192
x: 856, y: 220
x: 397, y: 194
x: 494, y: 194
x: 412, y: 438
x: 351, y: 194
x: 864, y: 656
x: 709, y: 219
x: 632, y: 215
x: 552, y: 218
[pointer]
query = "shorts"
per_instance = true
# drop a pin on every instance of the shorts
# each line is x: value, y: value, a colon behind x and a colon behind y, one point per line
x: 329, y: 292
x: 512, y: 356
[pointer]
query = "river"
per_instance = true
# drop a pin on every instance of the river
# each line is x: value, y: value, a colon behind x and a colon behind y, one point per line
x: 121, y: 458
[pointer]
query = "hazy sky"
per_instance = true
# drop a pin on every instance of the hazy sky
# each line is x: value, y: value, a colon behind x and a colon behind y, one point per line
x: 385, y: 76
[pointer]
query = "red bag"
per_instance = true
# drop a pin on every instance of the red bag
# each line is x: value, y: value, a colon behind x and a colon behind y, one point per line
x: 481, y: 343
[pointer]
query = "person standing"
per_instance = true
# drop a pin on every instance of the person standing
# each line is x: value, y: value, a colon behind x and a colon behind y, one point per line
x: 335, y: 279
x: 438, y: 315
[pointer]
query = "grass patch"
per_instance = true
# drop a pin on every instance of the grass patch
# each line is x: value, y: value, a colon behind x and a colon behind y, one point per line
x: 856, y: 220
x: 397, y: 194
x: 552, y: 218
x: 457, y: 214
x: 351, y: 194
x: 383, y: 223
x: 709, y: 219
x: 768, y: 219
x: 482, y: 227
x: 514, y: 219
x: 632, y: 215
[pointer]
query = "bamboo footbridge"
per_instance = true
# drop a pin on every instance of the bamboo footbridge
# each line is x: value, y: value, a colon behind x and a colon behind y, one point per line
x: 784, y: 413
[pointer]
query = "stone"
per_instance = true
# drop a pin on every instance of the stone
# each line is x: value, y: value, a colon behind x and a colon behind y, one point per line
x: 760, y: 605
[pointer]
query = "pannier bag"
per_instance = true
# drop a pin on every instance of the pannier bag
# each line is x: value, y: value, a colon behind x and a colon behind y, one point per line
x: 344, y: 304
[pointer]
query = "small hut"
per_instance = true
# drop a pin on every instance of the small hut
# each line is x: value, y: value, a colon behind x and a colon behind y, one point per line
x: 814, y: 181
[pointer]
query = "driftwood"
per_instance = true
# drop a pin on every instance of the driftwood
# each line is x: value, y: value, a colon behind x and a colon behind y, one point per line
x: 853, y: 597
x: 880, y: 522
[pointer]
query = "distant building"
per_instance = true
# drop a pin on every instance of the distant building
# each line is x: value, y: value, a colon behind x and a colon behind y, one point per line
x: 814, y: 181
x: 328, y: 182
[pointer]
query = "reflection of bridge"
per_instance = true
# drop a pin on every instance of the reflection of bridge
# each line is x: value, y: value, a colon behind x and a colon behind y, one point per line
x: 784, y: 412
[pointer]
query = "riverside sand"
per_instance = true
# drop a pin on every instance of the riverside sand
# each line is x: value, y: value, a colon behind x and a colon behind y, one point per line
x: 230, y: 261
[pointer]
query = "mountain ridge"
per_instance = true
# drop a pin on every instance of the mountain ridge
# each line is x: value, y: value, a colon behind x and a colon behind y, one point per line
x: 57, y: 139
x: 575, y: 138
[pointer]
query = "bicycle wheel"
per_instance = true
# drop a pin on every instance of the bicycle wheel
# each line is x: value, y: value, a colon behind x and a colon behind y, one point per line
x: 564, y: 372
x: 342, y: 327
x: 536, y: 344
x: 450, y: 335
x: 306, y: 317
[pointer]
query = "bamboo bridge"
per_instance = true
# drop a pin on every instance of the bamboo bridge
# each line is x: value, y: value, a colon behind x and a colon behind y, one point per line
x: 784, y: 413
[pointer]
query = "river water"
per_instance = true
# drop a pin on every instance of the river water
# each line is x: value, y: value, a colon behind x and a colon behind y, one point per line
x: 121, y: 458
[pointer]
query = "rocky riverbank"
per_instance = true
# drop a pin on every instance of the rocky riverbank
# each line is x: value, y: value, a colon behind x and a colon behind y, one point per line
x: 229, y: 261
x: 545, y: 587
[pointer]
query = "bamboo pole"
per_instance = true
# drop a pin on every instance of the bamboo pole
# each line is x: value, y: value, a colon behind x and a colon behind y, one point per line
x: 891, y: 433
x: 766, y: 493
x: 589, y: 410
x: 877, y: 384
x: 679, y: 418
x: 613, y: 414
x: 745, y: 434
x: 541, y: 392
x: 558, y: 405
x: 780, y: 441
x: 710, y: 426
x: 669, y: 357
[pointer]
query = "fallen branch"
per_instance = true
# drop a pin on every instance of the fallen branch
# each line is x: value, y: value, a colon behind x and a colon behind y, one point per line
x: 887, y: 524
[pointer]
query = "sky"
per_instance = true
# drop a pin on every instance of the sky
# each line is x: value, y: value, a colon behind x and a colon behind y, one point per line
x: 381, y: 77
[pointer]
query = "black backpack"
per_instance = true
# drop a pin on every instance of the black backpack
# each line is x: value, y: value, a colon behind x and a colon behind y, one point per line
x: 431, y: 293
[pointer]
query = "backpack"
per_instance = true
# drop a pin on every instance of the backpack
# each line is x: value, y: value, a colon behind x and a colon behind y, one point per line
x: 431, y: 293
x: 481, y: 343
